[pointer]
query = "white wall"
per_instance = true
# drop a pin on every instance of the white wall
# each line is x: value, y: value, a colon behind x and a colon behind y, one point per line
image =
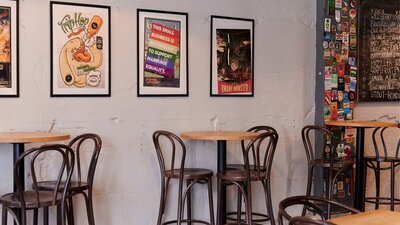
x: 127, y: 178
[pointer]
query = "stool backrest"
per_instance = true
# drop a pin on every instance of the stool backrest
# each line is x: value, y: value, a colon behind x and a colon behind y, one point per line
x: 61, y: 158
x: 327, y: 136
x: 169, y: 144
x: 83, y: 143
x: 260, y: 129
x: 263, y: 150
x: 379, y: 139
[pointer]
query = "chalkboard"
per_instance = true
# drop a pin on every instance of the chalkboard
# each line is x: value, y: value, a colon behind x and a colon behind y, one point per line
x: 379, y: 50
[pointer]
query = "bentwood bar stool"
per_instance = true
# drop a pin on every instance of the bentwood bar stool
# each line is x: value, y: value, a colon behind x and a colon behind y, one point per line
x: 385, y: 159
x: 171, y: 153
x: 82, y: 183
x: 257, y: 170
x: 257, y: 216
x: 332, y: 164
x: 60, y: 158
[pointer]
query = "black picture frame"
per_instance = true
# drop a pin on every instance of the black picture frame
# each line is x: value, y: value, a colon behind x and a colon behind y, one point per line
x: 9, y: 49
x: 80, y: 50
x: 232, y: 57
x: 162, y: 53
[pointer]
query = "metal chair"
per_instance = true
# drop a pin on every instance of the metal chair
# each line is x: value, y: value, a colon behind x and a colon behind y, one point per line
x: 171, y: 153
x: 333, y: 165
x: 62, y: 163
x: 258, y: 170
x: 314, y: 205
x: 257, y: 216
x: 382, y: 161
x: 82, y: 143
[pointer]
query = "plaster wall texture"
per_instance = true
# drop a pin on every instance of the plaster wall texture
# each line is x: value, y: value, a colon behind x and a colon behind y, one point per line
x: 126, y: 189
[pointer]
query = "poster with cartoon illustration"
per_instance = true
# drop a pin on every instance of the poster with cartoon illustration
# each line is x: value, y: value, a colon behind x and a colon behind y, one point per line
x: 232, y: 47
x: 8, y: 49
x: 162, y: 53
x: 80, y: 49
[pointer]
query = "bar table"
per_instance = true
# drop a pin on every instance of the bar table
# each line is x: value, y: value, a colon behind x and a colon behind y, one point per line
x: 221, y: 137
x: 359, y: 197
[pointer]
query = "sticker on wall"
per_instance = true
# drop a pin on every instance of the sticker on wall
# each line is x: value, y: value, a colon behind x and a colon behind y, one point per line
x: 337, y: 15
x: 353, y: 13
x: 353, y: 72
x: 341, y: 69
x: 325, y: 44
x: 344, y: 12
x: 327, y: 112
x: 327, y: 98
x: 353, y: 42
x: 334, y: 80
x: 345, y: 26
x: 327, y: 36
x: 339, y: 27
x: 327, y: 25
x: 345, y: 52
x: 353, y: 83
x: 345, y: 38
x: 328, y: 72
x: 353, y: 3
x: 338, y: 4
x: 334, y: 97
x: 352, y: 61
x: 352, y: 96
x: 328, y: 84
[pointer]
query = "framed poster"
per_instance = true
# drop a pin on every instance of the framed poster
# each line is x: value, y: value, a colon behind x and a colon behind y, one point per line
x: 232, y: 56
x: 9, y: 49
x: 80, y: 49
x: 162, y: 53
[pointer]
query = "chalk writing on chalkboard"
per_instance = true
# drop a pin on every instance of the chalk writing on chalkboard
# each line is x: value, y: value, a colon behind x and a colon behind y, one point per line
x: 379, y: 77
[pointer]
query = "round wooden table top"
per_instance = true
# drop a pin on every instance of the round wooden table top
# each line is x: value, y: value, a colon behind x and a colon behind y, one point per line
x: 355, y: 123
x: 219, y: 135
x: 28, y: 137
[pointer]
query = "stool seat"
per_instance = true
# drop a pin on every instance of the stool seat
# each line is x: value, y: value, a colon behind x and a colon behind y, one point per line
x: 73, y: 185
x: 336, y: 163
x: 382, y: 159
x: 189, y: 173
x: 241, y: 175
x: 11, y: 200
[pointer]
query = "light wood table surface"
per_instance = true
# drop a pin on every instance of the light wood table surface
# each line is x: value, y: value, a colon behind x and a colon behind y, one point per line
x: 221, y: 137
x: 378, y: 217
x: 28, y: 137
x: 359, y: 197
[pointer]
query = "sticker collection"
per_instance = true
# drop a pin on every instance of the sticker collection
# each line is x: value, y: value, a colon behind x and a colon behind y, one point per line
x: 340, y: 61
x: 340, y: 58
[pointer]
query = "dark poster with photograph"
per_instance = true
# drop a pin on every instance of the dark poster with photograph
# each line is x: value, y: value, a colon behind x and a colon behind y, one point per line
x: 234, y: 61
